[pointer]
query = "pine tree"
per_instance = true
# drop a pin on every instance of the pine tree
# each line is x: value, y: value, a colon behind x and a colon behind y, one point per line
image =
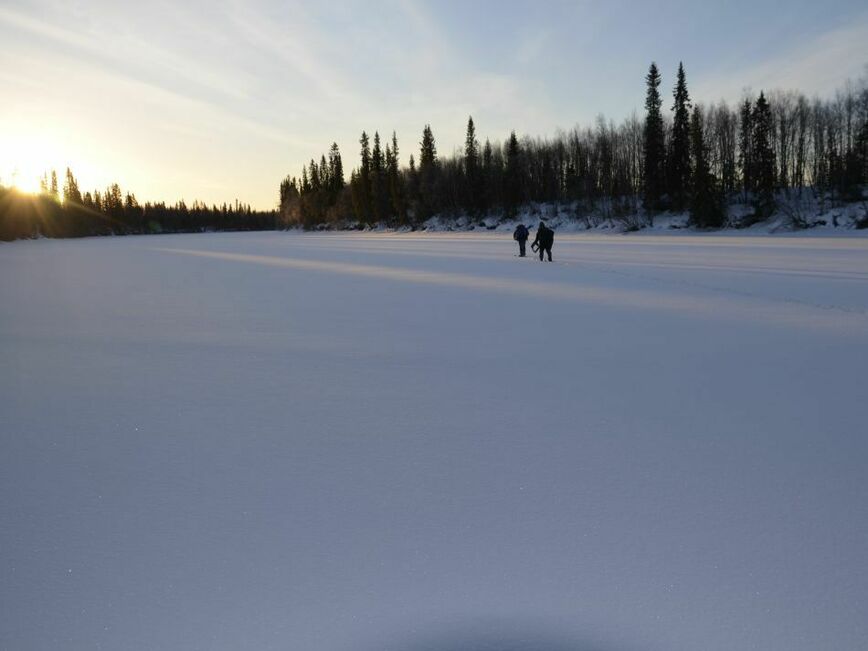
x: 415, y: 199
x: 364, y: 179
x: 763, y: 159
x: 396, y: 187
x: 71, y: 193
x: 487, y: 176
x: 706, y: 207
x: 379, y: 190
x: 679, y: 155
x: 513, y: 191
x: 336, y: 171
x: 75, y: 222
x: 53, y: 190
x: 360, y: 206
x: 471, y: 170
x: 325, y: 173
x: 315, y: 181
x: 653, y: 143
x: 429, y: 172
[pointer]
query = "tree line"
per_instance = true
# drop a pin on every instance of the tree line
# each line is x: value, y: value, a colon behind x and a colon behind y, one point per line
x: 67, y: 212
x: 691, y: 158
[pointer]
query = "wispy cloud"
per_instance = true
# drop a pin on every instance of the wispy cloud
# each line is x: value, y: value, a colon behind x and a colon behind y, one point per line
x: 251, y: 89
x: 130, y: 54
x: 291, y: 42
x: 819, y: 66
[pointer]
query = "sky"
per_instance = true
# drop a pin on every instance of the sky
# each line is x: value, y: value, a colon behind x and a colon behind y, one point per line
x: 220, y: 100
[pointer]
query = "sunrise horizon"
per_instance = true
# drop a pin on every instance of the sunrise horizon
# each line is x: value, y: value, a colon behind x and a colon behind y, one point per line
x: 180, y: 117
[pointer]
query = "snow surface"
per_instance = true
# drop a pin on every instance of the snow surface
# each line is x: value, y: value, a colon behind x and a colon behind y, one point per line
x: 379, y: 441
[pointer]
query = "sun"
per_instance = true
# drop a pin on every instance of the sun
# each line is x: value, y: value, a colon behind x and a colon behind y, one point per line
x: 24, y: 161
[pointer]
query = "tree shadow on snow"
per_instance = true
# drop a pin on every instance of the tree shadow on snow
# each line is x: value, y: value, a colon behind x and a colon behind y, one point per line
x: 493, y: 635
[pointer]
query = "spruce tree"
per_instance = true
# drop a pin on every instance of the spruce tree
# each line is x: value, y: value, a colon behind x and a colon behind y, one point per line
x: 364, y: 179
x: 71, y: 193
x: 513, y: 191
x: 679, y: 155
x: 428, y: 174
x: 653, y: 143
x: 325, y: 174
x: 357, y: 198
x: 379, y: 191
x: 336, y: 171
x: 75, y: 219
x: 706, y: 208
x: 413, y: 189
x: 763, y: 159
x: 53, y: 190
x: 471, y: 170
x: 487, y: 176
x: 396, y: 187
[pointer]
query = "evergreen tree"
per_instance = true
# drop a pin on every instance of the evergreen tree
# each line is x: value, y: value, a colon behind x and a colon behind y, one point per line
x: 379, y: 189
x: 396, y: 186
x: 415, y: 199
x: 315, y: 181
x: 513, y: 191
x: 71, y: 193
x: 53, y: 190
x: 429, y: 172
x: 289, y: 201
x: 653, y: 143
x: 336, y: 171
x: 706, y: 206
x: 763, y: 159
x: 679, y: 155
x: 487, y: 176
x: 76, y: 222
x: 358, y: 201
x: 472, y: 202
x: 133, y: 213
x: 325, y: 175
x: 364, y: 179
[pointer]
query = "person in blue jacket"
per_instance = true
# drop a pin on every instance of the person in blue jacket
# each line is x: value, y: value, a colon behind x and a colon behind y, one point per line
x: 520, y: 235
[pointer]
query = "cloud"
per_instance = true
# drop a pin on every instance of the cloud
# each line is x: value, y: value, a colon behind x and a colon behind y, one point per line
x: 132, y: 55
x: 819, y: 66
x: 292, y: 44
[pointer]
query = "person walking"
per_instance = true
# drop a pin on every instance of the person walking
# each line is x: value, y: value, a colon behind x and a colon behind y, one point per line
x: 520, y: 235
x: 545, y: 238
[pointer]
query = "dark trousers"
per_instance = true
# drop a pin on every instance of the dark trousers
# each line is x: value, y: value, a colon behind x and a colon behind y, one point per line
x: 521, y: 250
x: 547, y: 250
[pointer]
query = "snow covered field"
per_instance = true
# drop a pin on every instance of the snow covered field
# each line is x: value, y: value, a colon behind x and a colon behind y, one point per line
x: 420, y: 442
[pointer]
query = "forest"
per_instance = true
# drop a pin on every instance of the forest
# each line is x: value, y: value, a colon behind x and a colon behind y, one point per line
x: 57, y: 211
x: 684, y: 158
x: 770, y: 152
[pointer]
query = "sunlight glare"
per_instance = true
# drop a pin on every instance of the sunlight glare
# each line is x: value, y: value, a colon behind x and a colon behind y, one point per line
x: 24, y: 161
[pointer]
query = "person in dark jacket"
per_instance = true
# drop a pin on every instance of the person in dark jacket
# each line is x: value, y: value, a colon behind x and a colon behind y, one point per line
x: 520, y: 235
x: 545, y: 238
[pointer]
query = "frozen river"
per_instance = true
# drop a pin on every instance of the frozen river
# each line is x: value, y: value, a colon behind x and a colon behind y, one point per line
x: 275, y: 441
